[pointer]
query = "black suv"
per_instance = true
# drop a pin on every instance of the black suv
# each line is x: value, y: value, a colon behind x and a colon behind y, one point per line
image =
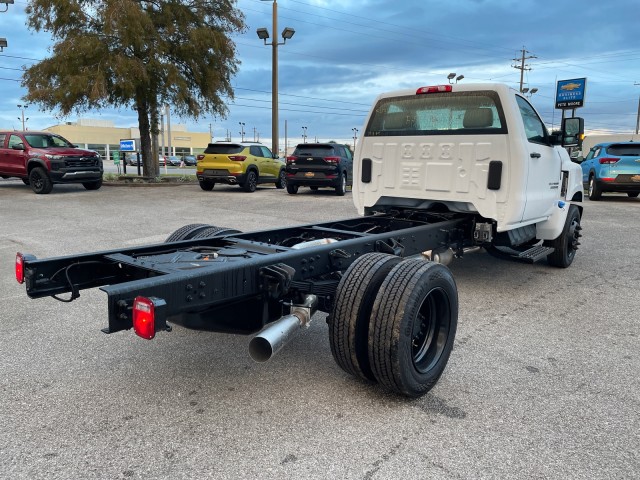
x: 320, y: 165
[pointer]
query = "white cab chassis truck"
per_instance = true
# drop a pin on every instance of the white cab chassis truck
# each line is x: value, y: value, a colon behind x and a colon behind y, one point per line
x: 477, y: 149
x: 439, y: 171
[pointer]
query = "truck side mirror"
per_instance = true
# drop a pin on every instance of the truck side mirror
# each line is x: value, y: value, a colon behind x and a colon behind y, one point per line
x: 18, y: 146
x: 572, y: 132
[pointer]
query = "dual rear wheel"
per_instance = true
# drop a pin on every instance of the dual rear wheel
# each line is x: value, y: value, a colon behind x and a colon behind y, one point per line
x: 394, y: 322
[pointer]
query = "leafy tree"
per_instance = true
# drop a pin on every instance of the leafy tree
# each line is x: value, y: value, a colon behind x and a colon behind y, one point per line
x: 144, y: 54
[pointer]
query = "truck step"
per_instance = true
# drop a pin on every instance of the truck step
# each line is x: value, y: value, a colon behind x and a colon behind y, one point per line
x: 535, y: 253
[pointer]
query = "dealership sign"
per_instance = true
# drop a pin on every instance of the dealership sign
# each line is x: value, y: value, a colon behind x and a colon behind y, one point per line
x: 127, y: 145
x: 570, y: 93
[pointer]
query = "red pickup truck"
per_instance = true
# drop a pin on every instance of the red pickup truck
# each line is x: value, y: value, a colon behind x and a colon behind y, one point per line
x: 41, y: 159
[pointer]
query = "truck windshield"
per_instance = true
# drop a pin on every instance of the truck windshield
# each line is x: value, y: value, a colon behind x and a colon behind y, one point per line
x: 456, y: 113
x: 40, y: 140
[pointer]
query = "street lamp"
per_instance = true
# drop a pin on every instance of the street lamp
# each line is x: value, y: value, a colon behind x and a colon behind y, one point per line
x: 6, y: 7
x: 3, y: 43
x: 304, y: 134
x: 459, y: 77
x: 263, y: 34
x: 242, y: 130
x: 451, y: 76
x: 22, y: 107
x: 355, y: 137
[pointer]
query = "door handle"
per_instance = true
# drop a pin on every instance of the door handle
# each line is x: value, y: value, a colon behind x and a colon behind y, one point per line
x: 535, y: 155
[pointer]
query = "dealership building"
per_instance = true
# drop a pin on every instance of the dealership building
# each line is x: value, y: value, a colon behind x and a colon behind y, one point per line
x: 104, y: 137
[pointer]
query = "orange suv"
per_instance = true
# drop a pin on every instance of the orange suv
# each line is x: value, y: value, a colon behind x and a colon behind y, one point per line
x: 246, y: 164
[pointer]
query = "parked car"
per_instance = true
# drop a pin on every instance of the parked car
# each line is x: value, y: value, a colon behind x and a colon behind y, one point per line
x: 189, y: 160
x: 318, y: 165
x: 172, y: 160
x: 132, y: 159
x: 244, y: 163
x: 612, y: 167
x: 42, y: 159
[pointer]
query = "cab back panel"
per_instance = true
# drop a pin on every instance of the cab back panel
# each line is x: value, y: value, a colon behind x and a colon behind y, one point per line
x: 445, y: 170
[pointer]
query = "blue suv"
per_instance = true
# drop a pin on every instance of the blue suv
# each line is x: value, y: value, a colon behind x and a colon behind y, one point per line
x: 612, y: 167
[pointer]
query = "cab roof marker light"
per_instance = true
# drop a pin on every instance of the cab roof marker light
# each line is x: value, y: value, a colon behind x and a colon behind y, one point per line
x: 435, y: 89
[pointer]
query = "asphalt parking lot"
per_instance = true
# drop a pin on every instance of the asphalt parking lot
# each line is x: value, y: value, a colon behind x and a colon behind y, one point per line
x: 542, y: 382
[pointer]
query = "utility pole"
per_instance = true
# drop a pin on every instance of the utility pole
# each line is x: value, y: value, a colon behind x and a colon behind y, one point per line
x: 22, y: 107
x: 522, y: 67
x: 210, y: 133
x: 638, y: 116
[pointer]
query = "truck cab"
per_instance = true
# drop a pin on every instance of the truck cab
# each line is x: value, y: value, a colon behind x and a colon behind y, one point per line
x: 474, y: 148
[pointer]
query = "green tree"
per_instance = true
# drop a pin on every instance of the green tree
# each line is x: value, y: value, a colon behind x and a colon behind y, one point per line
x: 139, y: 54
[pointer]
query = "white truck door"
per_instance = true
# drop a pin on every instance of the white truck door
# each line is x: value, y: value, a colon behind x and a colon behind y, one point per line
x: 544, y: 166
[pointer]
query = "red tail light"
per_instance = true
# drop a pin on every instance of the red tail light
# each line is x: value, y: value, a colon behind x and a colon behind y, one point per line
x: 200, y: 157
x: 292, y: 159
x: 144, y: 323
x: 332, y: 159
x: 608, y: 161
x: 19, y: 268
x: 237, y: 158
x: 434, y: 89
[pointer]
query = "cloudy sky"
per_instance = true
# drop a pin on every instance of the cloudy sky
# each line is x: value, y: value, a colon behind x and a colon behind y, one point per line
x: 345, y: 52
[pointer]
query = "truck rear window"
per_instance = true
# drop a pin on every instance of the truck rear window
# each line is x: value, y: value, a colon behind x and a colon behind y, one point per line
x: 223, y: 149
x: 455, y: 113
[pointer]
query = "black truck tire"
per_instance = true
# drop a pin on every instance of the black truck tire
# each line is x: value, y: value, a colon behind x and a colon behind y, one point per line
x: 212, y: 232
x: 40, y: 181
x: 413, y: 327
x: 92, y: 185
x: 567, y: 243
x: 186, y: 232
x: 292, y: 189
x: 351, y: 313
x: 24, y: 180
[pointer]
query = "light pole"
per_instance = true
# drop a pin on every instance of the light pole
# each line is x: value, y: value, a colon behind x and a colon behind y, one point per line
x: 6, y: 7
x: 528, y: 93
x: 638, y: 116
x: 304, y: 134
x: 263, y: 34
x: 3, y: 44
x: 242, y: 130
x: 355, y: 137
x: 22, y: 108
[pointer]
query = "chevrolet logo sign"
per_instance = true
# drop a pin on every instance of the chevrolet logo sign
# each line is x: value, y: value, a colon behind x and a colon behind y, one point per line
x: 570, y: 86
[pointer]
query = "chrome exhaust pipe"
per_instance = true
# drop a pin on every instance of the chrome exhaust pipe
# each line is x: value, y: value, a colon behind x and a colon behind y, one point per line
x: 445, y: 256
x: 271, y: 340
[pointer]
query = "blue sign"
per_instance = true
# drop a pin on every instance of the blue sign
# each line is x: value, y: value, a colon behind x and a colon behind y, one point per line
x: 127, y: 145
x: 570, y: 93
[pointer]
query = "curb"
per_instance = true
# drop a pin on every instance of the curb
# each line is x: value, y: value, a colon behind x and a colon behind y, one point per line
x: 147, y: 184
